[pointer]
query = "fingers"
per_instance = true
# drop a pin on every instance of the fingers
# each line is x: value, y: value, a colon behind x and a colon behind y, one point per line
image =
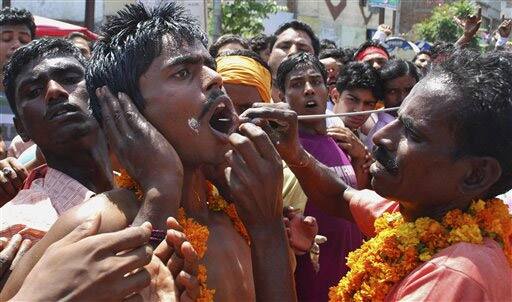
x: 117, y: 111
x: 86, y: 229
x: 239, y: 167
x: 133, y: 283
x: 109, y: 124
x: 9, y: 252
x: 126, y: 239
x: 3, y: 242
x: 479, y: 13
x: 191, y: 287
x: 191, y: 258
x: 19, y: 173
x: 244, y: 151
x: 164, y: 250
x: 134, y: 259
x: 26, y: 244
x: 261, y: 141
x: 175, y: 240
x: 7, y: 186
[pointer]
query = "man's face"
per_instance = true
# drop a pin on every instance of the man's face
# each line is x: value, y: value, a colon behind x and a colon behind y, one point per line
x: 376, y: 60
x: 414, y: 157
x: 184, y: 101
x: 355, y: 100
x: 83, y: 45
x: 289, y: 42
x: 11, y: 38
x: 397, y: 89
x: 306, y: 92
x: 242, y: 96
x: 422, y: 61
x: 52, y: 103
x: 333, y: 68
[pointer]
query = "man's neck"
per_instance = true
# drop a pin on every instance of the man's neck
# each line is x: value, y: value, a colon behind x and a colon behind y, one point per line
x: 91, y: 168
x: 318, y: 128
x: 194, y: 194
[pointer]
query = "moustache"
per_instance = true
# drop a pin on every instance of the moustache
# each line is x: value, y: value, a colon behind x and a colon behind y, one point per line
x: 384, y: 157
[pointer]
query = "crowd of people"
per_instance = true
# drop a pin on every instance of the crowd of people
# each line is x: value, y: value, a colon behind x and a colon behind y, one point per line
x: 153, y: 166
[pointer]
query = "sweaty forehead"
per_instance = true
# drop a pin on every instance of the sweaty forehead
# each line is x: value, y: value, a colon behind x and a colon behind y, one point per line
x: 302, y: 70
x: 294, y: 35
x: 20, y: 28
x: 42, y: 65
x: 432, y: 101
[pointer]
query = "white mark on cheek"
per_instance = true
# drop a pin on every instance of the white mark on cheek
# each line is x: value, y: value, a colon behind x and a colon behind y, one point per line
x: 194, y: 125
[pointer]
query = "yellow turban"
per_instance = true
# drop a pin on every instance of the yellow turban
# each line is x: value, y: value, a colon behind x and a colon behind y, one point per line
x: 247, y: 71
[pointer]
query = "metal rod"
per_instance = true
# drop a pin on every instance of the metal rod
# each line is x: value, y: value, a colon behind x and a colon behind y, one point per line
x: 323, y: 116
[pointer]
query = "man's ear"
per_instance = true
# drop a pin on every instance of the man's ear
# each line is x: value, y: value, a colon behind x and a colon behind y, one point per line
x: 335, y: 95
x: 20, y: 129
x: 482, y: 173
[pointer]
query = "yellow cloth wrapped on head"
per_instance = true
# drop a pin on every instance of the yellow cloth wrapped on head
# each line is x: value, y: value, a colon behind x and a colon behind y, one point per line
x: 247, y: 71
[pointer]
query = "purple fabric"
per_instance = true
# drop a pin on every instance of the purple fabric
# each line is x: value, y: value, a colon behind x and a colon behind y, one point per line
x: 342, y: 235
x: 383, y: 119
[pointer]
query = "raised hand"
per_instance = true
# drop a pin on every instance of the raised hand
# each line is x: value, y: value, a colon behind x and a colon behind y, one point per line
x: 83, y: 266
x: 385, y: 29
x: 301, y: 230
x: 470, y: 25
x: 505, y: 28
x: 12, y: 175
x: 348, y: 141
x: 140, y: 148
x: 10, y: 253
x: 281, y: 125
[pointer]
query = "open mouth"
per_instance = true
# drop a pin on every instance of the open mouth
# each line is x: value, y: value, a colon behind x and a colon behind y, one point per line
x: 311, y: 104
x: 223, y: 120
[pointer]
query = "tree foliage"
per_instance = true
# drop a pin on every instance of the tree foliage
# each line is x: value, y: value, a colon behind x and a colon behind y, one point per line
x: 245, y: 17
x: 441, y: 26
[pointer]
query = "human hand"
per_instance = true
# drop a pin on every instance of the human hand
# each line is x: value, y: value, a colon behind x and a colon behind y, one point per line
x: 181, y: 260
x: 11, y: 252
x: 505, y: 28
x: 348, y: 141
x: 83, y: 266
x: 281, y: 125
x: 255, y: 177
x: 385, y: 29
x: 12, y: 175
x: 470, y: 25
x: 140, y: 148
x: 301, y: 230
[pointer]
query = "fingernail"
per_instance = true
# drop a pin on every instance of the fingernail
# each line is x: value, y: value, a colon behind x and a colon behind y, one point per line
x: 147, y: 225
x: 16, y: 237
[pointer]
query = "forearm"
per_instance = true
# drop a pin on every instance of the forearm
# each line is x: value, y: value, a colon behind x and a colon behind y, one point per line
x: 463, y: 41
x: 273, y: 275
x: 322, y: 186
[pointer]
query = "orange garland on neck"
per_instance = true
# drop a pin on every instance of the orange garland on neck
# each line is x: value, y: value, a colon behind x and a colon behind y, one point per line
x: 196, y: 233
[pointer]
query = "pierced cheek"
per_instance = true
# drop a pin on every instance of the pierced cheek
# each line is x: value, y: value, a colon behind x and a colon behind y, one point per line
x: 194, y: 125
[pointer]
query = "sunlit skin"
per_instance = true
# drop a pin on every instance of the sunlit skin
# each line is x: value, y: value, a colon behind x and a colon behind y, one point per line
x: 355, y: 100
x: 421, y: 142
x: 12, y: 37
x: 397, y: 89
x: 83, y: 45
x: 180, y: 82
x: 306, y: 94
x: 376, y: 60
x: 289, y: 42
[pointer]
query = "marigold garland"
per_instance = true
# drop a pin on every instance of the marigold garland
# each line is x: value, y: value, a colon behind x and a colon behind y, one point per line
x: 196, y: 233
x: 399, y: 247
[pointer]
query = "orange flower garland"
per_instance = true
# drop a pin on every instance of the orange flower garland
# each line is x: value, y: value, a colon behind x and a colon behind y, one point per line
x: 399, y: 247
x: 196, y: 233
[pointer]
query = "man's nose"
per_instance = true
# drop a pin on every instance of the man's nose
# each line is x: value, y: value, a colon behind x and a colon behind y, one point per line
x: 388, y: 136
x: 15, y: 44
x: 211, y: 79
x: 308, y: 89
x: 293, y: 50
x: 55, y: 91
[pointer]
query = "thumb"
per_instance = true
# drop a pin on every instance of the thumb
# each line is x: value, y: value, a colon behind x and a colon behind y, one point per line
x: 87, y: 228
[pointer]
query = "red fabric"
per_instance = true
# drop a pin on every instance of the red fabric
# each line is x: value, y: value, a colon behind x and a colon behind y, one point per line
x: 39, y: 172
x: 370, y: 50
x: 55, y: 28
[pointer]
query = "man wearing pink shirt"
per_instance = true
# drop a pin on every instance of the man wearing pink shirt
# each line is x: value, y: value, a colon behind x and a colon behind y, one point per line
x: 450, y: 145
x: 45, y: 87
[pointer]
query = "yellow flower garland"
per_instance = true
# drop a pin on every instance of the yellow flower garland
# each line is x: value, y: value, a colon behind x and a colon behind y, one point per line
x: 399, y: 247
x: 196, y: 233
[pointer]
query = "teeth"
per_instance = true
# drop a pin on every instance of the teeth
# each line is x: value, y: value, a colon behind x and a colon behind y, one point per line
x: 224, y: 120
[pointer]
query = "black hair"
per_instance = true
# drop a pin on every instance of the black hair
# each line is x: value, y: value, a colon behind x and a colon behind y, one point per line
x: 298, y: 60
x: 246, y: 53
x: 398, y: 68
x: 297, y: 25
x: 423, y: 52
x: 18, y: 16
x: 441, y: 50
x: 361, y: 75
x: 35, y: 51
x: 226, y: 39
x: 327, y: 44
x: 335, y: 53
x: 482, y: 120
x: 129, y: 43
x: 259, y: 43
x: 367, y: 44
